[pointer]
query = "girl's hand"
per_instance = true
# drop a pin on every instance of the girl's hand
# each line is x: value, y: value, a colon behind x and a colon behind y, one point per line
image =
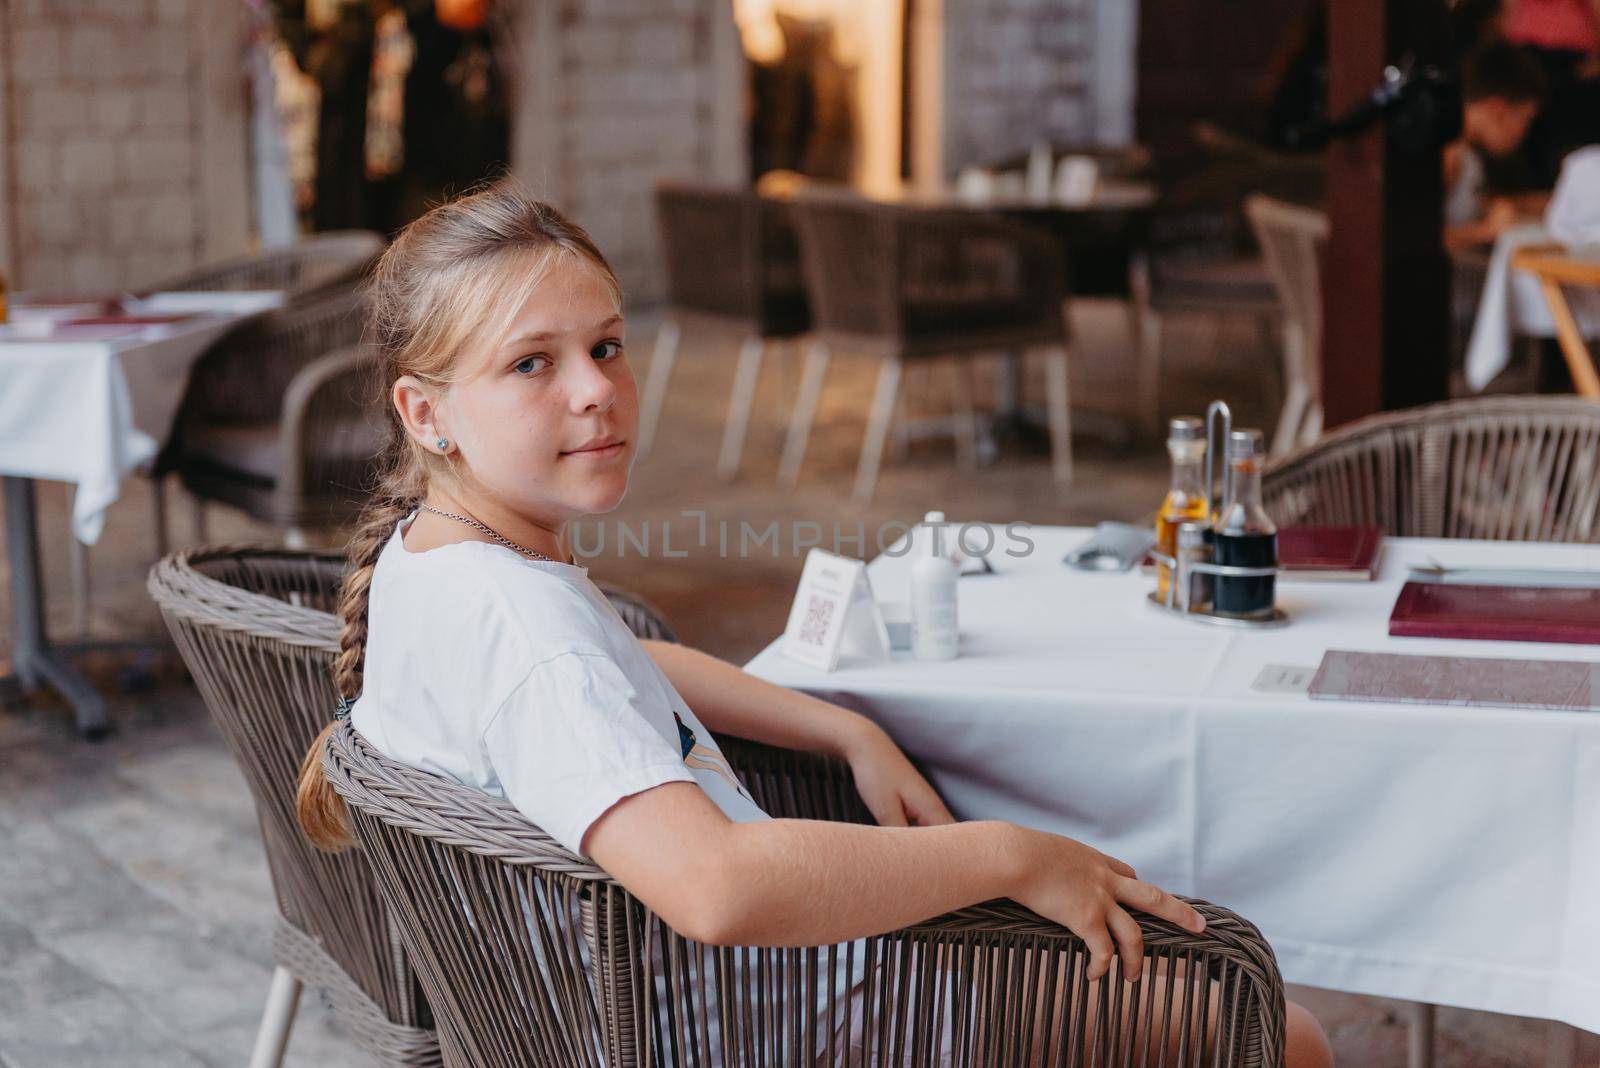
x: 895, y: 793
x: 1090, y: 893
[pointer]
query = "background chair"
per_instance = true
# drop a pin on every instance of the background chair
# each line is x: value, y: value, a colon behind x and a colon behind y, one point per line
x: 533, y: 955
x: 1504, y: 468
x: 1199, y: 258
x: 277, y: 422
x: 732, y: 265
x: 1292, y: 241
x: 257, y: 631
x: 911, y: 284
x: 315, y: 262
x: 1558, y: 270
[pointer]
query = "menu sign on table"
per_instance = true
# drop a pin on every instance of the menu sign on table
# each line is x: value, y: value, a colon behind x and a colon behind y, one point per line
x: 834, y: 611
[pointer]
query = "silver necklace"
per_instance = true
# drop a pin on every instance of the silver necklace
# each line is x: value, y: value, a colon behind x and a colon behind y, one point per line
x: 496, y: 535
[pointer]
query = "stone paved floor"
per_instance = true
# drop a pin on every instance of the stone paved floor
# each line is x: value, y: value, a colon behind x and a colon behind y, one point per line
x: 134, y: 901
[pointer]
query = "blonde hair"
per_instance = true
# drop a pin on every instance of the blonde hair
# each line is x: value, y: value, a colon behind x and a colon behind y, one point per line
x: 458, y: 273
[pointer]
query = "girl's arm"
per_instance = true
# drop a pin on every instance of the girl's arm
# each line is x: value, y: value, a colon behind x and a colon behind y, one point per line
x: 732, y: 701
x: 809, y: 882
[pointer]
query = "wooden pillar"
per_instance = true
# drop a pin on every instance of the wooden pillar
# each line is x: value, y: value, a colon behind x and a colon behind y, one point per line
x: 1386, y: 286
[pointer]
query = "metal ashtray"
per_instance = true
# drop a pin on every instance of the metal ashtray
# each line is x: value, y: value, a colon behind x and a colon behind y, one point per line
x: 1112, y: 547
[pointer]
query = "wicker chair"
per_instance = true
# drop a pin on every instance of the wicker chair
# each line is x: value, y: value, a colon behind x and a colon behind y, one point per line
x: 1292, y: 241
x: 314, y: 263
x: 275, y: 421
x: 911, y: 284
x: 256, y: 629
x: 732, y: 265
x: 1504, y: 468
x: 533, y: 956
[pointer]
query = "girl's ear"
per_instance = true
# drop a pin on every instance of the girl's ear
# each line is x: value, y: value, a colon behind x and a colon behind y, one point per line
x: 417, y: 404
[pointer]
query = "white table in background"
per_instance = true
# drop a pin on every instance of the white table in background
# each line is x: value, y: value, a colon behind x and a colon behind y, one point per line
x: 90, y: 411
x: 1435, y: 854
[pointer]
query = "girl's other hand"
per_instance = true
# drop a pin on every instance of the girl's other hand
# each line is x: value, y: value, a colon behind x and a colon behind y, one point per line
x: 895, y: 792
x: 1089, y: 893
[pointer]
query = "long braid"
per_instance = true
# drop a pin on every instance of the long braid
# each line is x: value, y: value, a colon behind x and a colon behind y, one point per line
x: 321, y: 811
x: 446, y: 278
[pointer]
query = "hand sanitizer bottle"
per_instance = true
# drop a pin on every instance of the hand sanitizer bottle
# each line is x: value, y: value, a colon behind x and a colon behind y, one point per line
x: 934, y: 633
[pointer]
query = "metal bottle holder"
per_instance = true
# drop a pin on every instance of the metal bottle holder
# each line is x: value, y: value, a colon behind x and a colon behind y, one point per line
x: 1219, y: 424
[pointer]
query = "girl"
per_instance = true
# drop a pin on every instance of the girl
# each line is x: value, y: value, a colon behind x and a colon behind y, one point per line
x: 480, y: 651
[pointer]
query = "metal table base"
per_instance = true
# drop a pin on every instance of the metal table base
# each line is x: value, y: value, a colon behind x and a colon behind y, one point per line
x: 35, y: 661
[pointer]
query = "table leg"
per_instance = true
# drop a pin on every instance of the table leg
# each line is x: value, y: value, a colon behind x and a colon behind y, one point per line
x: 1421, y: 1036
x: 35, y: 660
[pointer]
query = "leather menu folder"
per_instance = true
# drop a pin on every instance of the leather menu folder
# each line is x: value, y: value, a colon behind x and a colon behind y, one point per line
x: 1497, y: 613
x: 1329, y: 552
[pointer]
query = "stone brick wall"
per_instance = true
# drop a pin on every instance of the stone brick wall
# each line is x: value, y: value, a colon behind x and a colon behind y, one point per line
x: 104, y: 138
x: 1017, y: 71
x: 636, y: 96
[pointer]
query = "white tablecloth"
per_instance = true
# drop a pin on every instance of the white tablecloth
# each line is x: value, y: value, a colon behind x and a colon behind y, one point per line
x: 1437, y: 854
x: 90, y: 412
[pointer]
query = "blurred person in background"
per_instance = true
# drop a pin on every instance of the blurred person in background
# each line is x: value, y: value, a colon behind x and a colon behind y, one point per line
x: 1501, y: 90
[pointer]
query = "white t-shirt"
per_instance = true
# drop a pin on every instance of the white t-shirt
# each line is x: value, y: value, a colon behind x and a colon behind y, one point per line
x: 516, y: 676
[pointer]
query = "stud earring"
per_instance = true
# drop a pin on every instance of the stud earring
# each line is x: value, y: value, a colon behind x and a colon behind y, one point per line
x: 443, y: 443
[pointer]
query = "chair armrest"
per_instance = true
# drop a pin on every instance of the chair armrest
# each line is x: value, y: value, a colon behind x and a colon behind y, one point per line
x: 319, y: 393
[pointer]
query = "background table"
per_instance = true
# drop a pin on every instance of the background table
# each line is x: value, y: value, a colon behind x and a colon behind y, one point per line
x: 1435, y: 854
x: 90, y: 412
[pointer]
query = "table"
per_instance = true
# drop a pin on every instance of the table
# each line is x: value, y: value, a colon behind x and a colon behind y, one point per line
x: 1434, y: 854
x: 90, y: 411
x: 1554, y: 267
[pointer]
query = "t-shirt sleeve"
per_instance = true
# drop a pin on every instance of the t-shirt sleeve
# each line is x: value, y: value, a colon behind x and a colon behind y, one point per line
x: 571, y: 740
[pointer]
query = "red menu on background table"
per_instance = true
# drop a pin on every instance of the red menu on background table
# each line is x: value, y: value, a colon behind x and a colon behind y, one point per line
x: 1497, y: 613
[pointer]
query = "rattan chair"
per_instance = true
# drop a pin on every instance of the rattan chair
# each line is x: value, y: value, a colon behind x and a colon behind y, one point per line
x: 732, y: 266
x: 532, y: 955
x: 1503, y: 468
x: 256, y: 629
x: 911, y: 284
x: 1292, y: 241
x: 277, y: 422
x: 316, y: 262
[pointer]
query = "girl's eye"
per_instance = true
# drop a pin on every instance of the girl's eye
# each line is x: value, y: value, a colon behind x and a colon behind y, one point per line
x: 606, y: 350
x: 529, y: 365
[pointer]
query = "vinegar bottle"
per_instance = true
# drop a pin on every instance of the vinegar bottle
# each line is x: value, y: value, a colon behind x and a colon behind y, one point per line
x: 1245, y: 535
x: 1186, y: 501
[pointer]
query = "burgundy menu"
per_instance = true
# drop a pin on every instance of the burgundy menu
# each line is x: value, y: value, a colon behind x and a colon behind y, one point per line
x: 1497, y: 613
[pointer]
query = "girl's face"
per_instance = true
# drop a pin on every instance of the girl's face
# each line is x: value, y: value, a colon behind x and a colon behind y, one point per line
x: 545, y: 420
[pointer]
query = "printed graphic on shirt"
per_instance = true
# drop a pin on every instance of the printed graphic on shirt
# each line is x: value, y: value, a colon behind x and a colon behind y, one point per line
x: 700, y: 756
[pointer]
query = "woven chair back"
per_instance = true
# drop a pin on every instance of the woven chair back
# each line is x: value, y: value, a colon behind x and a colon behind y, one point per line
x: 314, y: 262
x: 531, y: 955
x: 731, y: 254
x: 256, y: 629
x: 242, y: 378
x: 1501, y: 468
x: 927, y: 280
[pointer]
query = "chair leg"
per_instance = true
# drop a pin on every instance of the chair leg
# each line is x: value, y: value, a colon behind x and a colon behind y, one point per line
x: 877, y: 429
x: 1297, y: 393
x: 201, y: 528
x: 966, y: 415
x: 158, y: 502
x: 1560, y: 1045
x: 744, y: 392
x: 1060, y: 414
x: 1420, y: 1046
x: 283, y: 1000
x: 655, y: 384
x: 805, y: 407
x: 80, y: 587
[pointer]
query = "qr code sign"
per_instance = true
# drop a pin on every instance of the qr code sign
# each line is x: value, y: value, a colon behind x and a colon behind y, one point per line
x: 819, y: 612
